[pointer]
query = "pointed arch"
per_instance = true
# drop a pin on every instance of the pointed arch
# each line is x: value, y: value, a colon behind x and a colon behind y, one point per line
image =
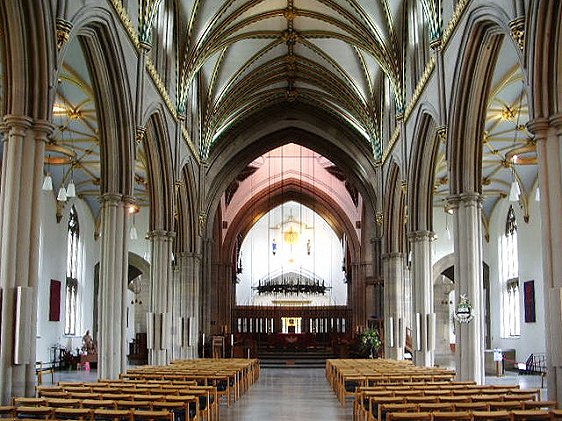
x: 97, y: 31
x: 486, y: 28
x: 160, y: 172
x: 394, y: 212
x: 422, y: 171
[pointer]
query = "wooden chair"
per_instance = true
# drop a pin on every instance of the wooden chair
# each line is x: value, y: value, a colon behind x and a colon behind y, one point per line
x: 387, y: 408
x: 409, y: 416
x: 44, y: 412
x: 98, y: 404
x: 7, y: 411
x: 422, y: 399
x: 491, y: 415
x: 505, y: 406
x: 519, y: 397
x: 70, y: 413
x: 471, y: 406
x: 436, y: 407
x: 191, y: 403
x: 23, y: 401
x: 129, y: 404
x: 452, y: 416
x: 454, y: 399
x: 142, y: 414
x: 540, y: 404
x: 63, y: 403
x: 178, y: 409
x: 112, y: 415
x: 530, y: 414
x: 556, y: 414
x: 486, y: 398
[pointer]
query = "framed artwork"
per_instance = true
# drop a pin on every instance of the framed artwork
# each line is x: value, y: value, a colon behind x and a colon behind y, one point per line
x: 54, y: 301
x: 529, y: 300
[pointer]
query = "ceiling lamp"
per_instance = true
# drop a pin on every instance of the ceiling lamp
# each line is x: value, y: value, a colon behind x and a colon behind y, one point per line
x: 538, y: 195
x: 133, y: 234
x: 48, y: 183
x: 514, y: 192
x: 71, y: 189
x: 62, y: 196
x: 291, y: 236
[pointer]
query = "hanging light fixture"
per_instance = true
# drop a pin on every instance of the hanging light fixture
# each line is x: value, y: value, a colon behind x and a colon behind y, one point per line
x: 62, y: 196
x: 48, y: 180
x: 538, y: 195
x: 71, y: 188
x: 133, y: 234
x: 514, y: 191
x: 47, y: 183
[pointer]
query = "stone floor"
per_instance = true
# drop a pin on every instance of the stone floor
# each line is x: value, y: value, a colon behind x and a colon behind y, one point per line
x: 294, y: 394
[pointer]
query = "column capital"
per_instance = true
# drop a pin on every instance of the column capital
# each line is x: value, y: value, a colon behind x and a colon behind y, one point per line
x: 421, y: 235
x: 157, y: 234
x: 43, y: 129
x: 538, y: 126
x: 454, y: 200
x: 16, y: 124
x: 556, y: 121
x: 111, y: 198
x: 392, y: 255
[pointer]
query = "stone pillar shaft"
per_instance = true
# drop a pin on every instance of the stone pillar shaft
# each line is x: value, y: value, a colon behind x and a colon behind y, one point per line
x: 423, y: 321
x: 469, y: 353
x: 548, y: 134
x: 188, y: 301
x: 112, y: 338
x: 20, y: 216
x: 358, y: 290
x: 393, y: 267
x: 161, y: 288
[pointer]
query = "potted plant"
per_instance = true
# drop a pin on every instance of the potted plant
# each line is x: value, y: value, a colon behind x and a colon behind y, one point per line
x: 370, y: 341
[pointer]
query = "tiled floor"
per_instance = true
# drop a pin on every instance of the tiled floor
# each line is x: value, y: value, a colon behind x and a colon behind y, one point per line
x: 294, y: 394
x: 288, y: 395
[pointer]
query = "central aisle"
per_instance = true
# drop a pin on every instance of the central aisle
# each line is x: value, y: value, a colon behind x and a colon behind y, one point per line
x: 288, y: 394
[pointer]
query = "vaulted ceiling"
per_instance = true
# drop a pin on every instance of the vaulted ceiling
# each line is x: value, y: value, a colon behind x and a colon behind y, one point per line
x: 330, y: 54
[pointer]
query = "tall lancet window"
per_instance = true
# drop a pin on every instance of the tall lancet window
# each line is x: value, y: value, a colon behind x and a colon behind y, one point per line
x: 510, y: 262
x: 71, y: 313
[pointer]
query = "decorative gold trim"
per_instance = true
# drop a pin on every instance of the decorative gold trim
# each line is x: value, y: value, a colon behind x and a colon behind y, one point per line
x: 452, y: 25
x: 139, y: 137
x: 379, y: 218
x: 420, y: 87
x: 442, y: 134
x: 63, y: 32
x: 517, y: 27
x: 127, y: 23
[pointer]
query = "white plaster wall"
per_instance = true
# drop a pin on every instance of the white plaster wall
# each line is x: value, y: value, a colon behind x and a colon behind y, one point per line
x: 258, y: 261
x: 444, y: 244
x: 532, y: 339
x: 52, y: 265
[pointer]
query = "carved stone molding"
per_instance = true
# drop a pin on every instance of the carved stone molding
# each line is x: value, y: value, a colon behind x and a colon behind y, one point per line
x: 517, y: 27
x: 63, y: 32
x: 421, y: 235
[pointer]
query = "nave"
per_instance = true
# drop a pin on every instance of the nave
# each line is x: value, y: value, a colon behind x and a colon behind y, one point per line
x: 295, y: 394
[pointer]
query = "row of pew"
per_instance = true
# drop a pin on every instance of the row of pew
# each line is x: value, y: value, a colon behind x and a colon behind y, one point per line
x: 183, y: 391
x: 345, y: 375
x: 392, y: 390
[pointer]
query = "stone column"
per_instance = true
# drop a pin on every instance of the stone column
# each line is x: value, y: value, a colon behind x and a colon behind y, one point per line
x: 423, y: 322
x: 188, y: 269
x: 159, y: 326
x: 469, y: 354
x: 548, y: 134
x: 393, y: 269
x: 358, y: 289
x: 20, y: 216
x: 112, y: 338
